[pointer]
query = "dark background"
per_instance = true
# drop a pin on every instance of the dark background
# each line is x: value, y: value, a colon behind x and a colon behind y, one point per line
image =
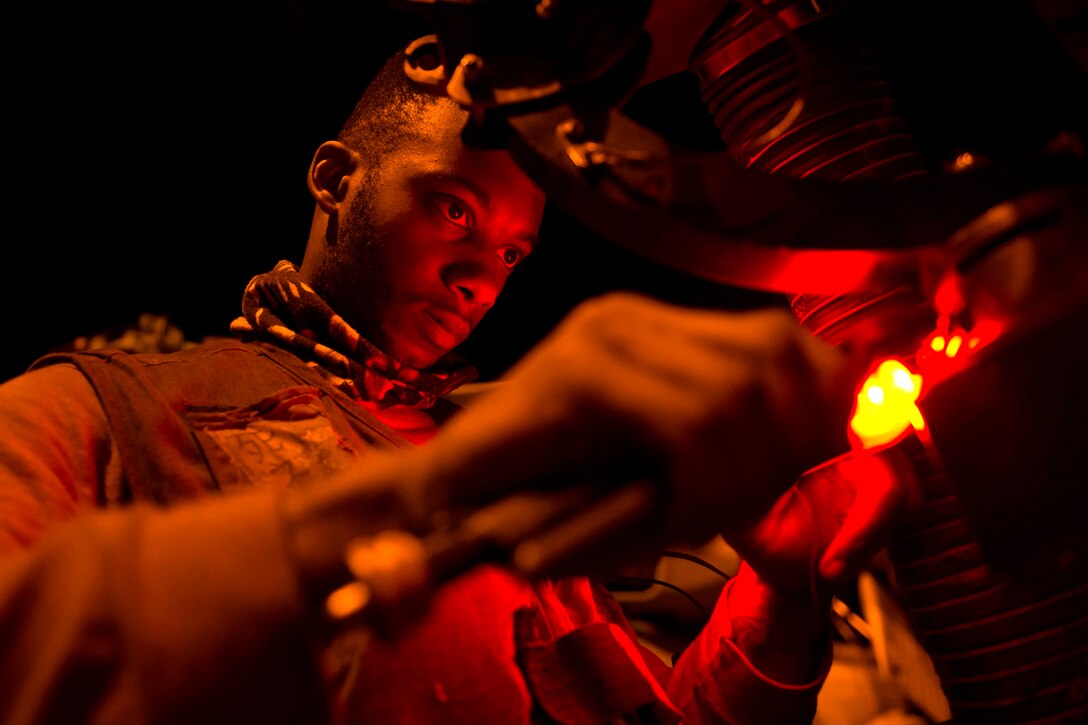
x: 158, y: 154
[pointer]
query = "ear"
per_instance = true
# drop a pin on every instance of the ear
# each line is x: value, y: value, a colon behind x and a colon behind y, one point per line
x: 330, y: 174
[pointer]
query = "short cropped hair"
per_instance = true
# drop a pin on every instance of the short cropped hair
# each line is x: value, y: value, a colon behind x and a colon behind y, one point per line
x: 387, y: 112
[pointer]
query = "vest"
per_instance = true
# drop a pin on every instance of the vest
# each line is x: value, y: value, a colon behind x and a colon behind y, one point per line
x: 224, y: 415
x: 230, y: 414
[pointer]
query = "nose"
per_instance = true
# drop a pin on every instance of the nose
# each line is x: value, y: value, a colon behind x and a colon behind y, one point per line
x: 474, y: 281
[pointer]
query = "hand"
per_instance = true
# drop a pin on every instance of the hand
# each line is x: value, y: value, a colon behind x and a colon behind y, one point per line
x: 720, y: 411
x: 823, y: 531
x: 827, y: 527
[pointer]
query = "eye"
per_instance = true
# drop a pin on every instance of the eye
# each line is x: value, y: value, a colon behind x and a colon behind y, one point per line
x: 455, y: 211
x: 510, y: 256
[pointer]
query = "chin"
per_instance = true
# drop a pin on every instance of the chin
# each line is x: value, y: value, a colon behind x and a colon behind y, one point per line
x: 414, y: 356
x: 410, y: 347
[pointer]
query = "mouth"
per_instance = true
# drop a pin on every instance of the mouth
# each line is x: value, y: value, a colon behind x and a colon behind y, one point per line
x: 444, y: 328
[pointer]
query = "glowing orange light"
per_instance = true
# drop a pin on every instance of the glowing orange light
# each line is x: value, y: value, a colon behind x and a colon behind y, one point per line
x: 885, y: 406
x: 347, y: 600
x: 937, y: 343
x: 953, y: 346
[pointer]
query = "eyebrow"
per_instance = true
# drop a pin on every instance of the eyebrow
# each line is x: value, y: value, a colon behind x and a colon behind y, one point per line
x: 531, y: 239
x: 477, y: 190
x: 485, y: 201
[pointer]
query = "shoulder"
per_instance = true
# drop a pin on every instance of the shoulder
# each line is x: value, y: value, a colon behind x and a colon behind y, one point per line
x: 56, y: 452
x: 221, y: 365
x: 53, y: 409
x: 56, y: 391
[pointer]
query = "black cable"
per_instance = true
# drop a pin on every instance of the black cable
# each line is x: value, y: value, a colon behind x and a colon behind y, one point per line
x: 696, y: 560
x: 667, y: 585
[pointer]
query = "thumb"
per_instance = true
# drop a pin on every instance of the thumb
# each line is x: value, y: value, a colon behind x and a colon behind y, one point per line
x: 886, y: 488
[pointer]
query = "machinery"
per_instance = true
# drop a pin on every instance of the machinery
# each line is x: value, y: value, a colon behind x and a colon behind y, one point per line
x: 968, y: 269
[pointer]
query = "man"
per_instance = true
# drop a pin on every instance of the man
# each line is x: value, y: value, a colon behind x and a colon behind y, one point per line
x: 172, y: 525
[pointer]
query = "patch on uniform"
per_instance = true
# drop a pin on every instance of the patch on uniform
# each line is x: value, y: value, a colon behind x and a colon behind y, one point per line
x: 283, y: 440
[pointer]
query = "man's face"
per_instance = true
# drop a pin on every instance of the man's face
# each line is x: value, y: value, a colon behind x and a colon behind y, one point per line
x: 428, y: 239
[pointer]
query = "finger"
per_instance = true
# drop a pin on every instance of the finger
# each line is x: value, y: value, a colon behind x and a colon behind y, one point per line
x: 580, y: 543
x: 809, y: 384
x: 675, y: 355
x: 757, y: 363
x: 491, y: 533
x: 553, y: 427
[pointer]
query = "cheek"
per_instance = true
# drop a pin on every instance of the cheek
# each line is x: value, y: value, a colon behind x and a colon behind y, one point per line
x: 414, y: 255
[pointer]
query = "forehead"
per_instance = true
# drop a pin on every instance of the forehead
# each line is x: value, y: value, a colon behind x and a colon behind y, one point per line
x: 441, y: 122
x: 436, y: 140
x: 435, y: 149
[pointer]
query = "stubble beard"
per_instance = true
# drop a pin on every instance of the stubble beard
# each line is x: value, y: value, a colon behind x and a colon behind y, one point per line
x: 365, y: 290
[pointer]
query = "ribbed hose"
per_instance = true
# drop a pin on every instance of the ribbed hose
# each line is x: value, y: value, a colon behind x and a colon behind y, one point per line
x: 1005, y: 652
x: 848, y: 129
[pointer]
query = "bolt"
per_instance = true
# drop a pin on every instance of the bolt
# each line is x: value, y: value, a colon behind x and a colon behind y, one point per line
x: 473, y: 66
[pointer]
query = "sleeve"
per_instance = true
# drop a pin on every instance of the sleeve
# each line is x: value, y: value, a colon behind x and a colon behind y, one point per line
x: 142, y: 614
x: 56, y: 455
x: 715, y: 680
